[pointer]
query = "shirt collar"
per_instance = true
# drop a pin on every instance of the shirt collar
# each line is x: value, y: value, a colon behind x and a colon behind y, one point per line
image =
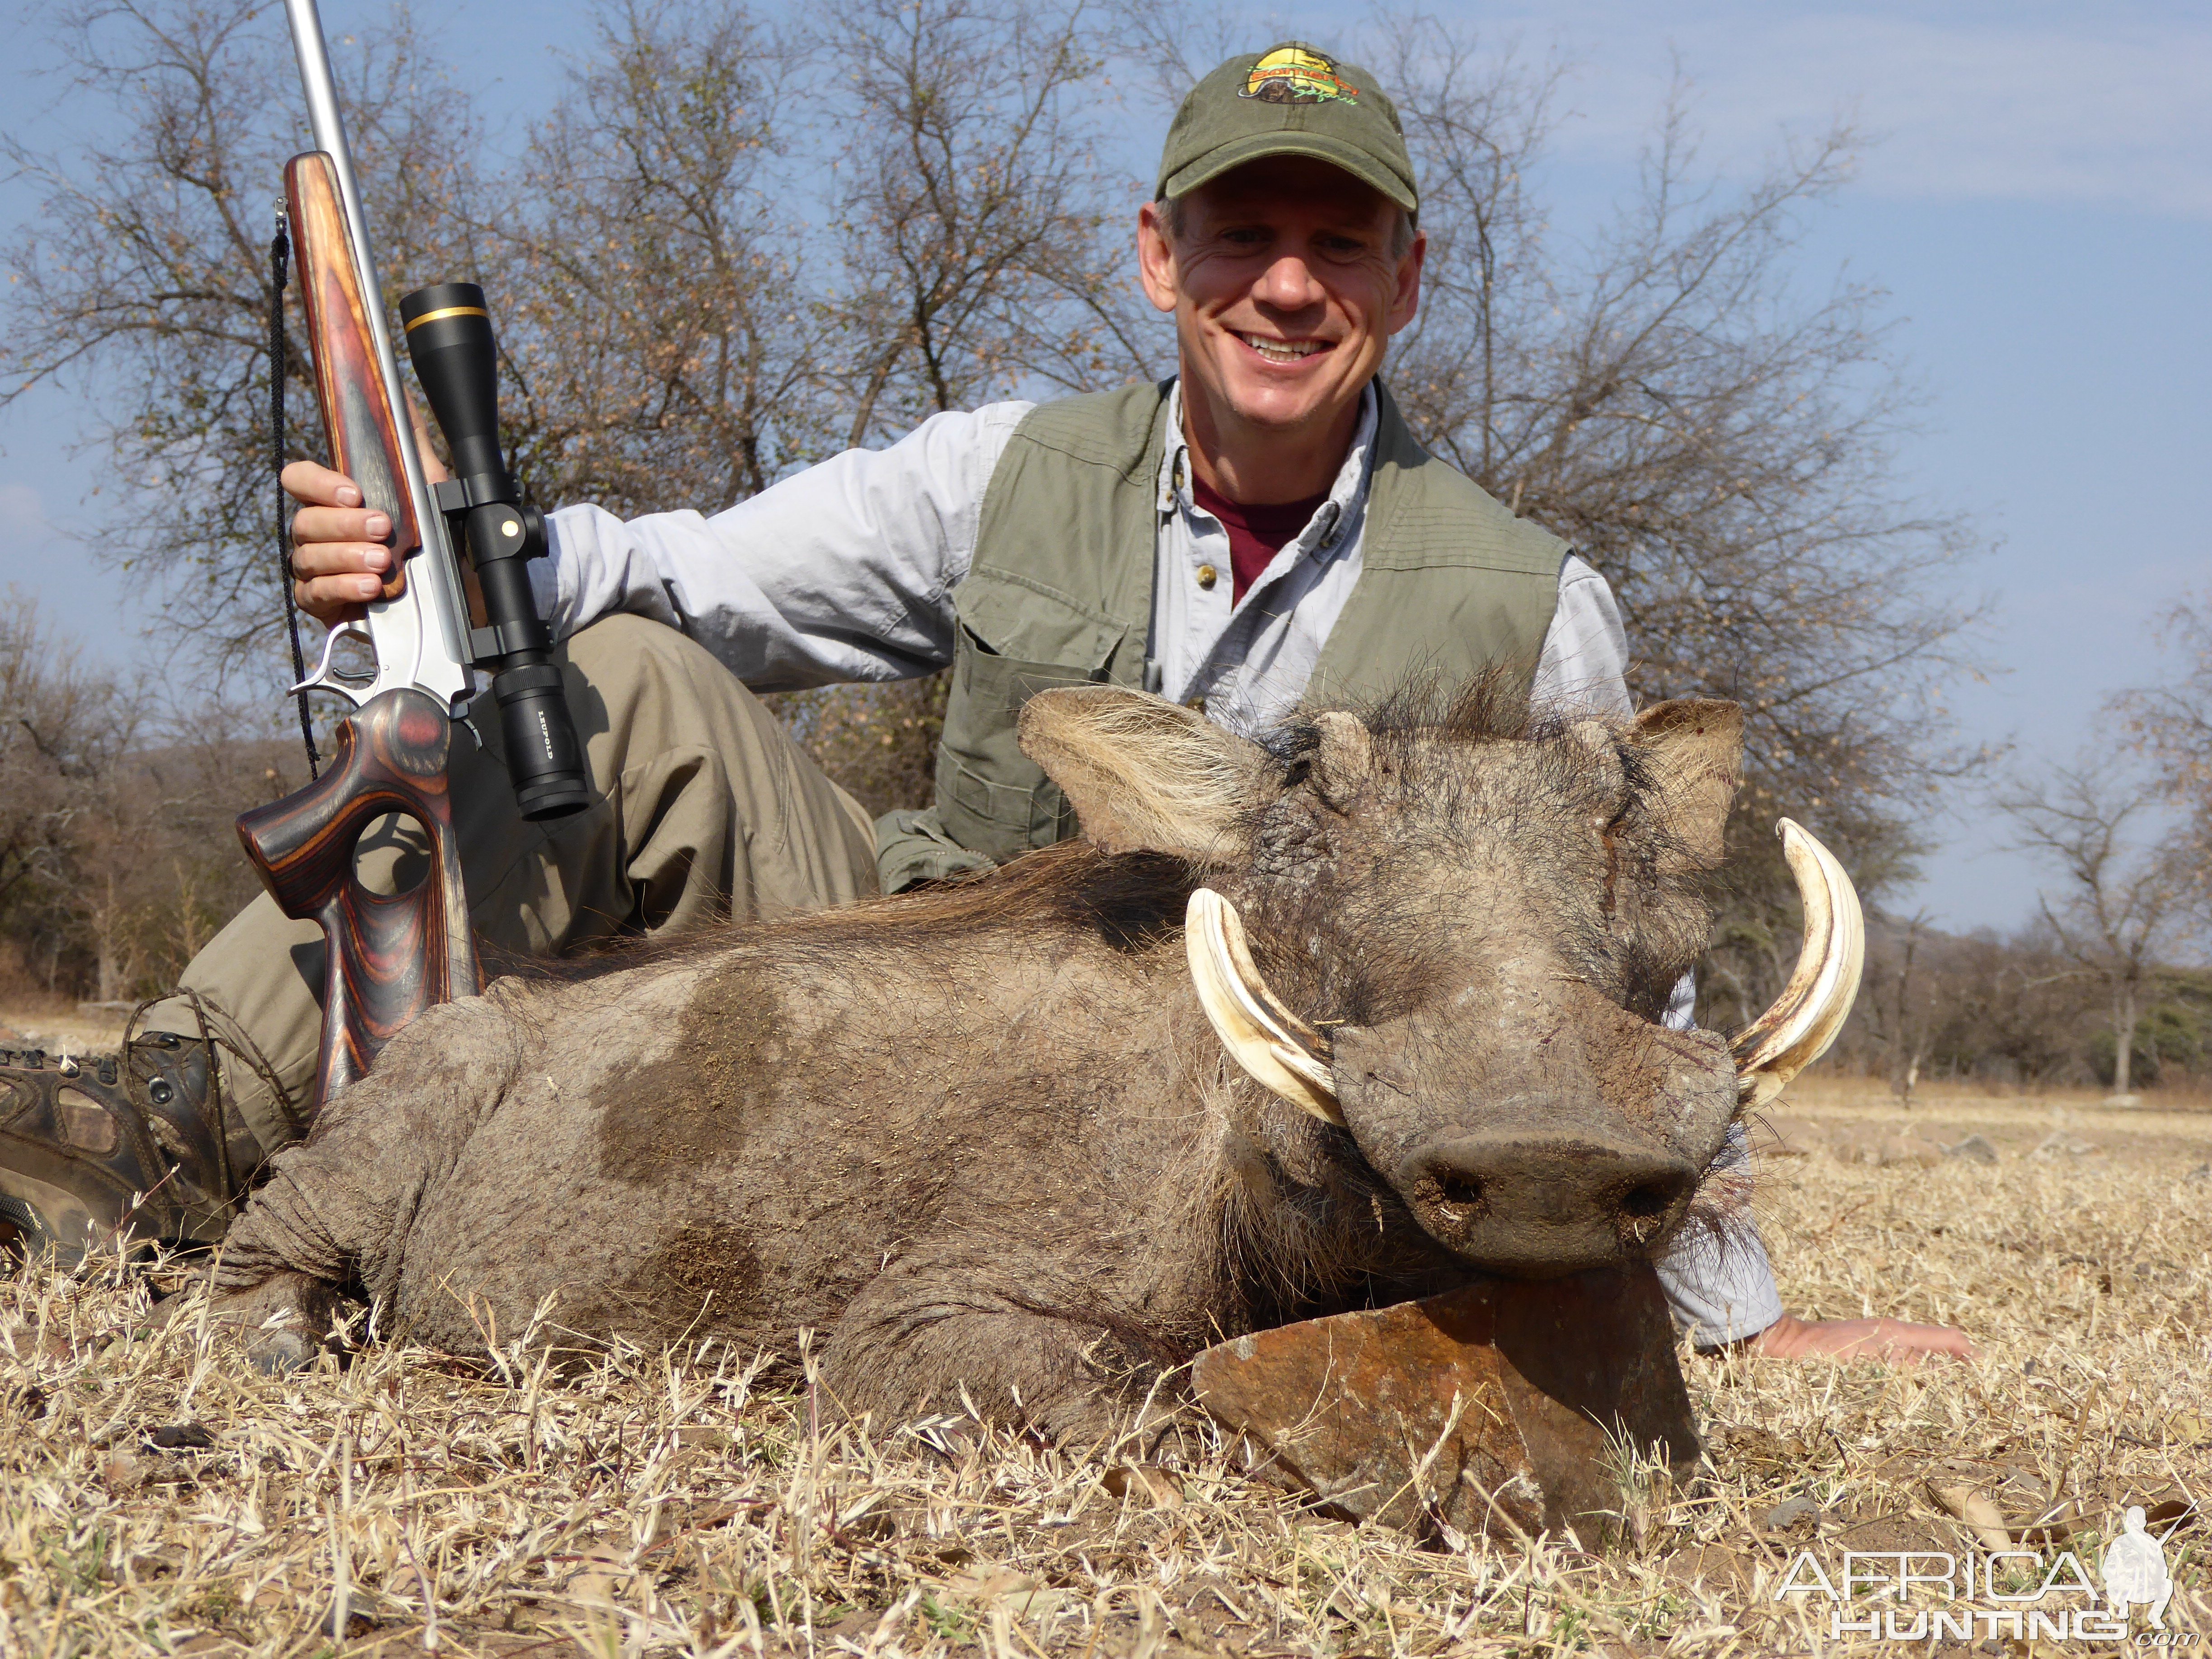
x: 1321, y: 531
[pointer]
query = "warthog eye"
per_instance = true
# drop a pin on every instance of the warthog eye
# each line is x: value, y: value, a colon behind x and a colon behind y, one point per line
x: 1646, y: 1202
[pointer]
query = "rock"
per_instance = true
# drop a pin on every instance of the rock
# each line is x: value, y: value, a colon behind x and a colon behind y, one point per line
x: 180, y: 1437
x: 1974, y: 1148
x: 2201, y: 1172
x: 1886, y: 1150
x: 1916, y: 1152
x: 1479, y: 1410
x: 1787, y: 1514
x: 1160, y: 1488
x: 280, y: 1352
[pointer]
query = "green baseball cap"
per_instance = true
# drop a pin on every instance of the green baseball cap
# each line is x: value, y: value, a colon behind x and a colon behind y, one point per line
x: 1291, y: 100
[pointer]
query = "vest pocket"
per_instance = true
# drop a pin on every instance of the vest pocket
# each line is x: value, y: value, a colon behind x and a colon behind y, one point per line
x: 992, y: 797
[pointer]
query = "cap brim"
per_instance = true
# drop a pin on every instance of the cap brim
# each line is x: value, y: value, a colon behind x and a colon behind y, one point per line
x: 1349, y: 158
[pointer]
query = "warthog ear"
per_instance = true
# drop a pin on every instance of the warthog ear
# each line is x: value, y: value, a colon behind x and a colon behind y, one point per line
x: 1143, y: 773
x: 1693, y: 752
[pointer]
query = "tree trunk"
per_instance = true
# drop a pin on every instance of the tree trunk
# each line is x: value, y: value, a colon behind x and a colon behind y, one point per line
x: 2124, y: 1032
x: 104, y: 926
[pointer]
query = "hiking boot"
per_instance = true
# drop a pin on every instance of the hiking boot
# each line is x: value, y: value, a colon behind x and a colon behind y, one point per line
x: 96, y: 1149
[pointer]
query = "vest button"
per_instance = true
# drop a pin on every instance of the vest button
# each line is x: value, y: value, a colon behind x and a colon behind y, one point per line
x: 1208, y: 576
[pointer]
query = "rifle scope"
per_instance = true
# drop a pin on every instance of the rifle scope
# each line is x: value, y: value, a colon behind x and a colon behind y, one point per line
x: 449, y: 338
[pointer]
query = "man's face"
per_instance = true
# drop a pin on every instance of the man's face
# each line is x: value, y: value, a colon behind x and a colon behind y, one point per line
x: 1284, y: 290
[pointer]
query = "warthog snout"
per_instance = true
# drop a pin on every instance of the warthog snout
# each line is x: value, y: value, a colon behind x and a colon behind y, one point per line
x: 1535, y: 1203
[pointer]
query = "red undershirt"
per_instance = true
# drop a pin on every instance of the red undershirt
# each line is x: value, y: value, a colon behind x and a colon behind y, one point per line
x: 1257, y: 534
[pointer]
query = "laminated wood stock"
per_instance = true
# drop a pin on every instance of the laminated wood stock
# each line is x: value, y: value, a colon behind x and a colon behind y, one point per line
x: 388, y: 957
x: 362, y: 426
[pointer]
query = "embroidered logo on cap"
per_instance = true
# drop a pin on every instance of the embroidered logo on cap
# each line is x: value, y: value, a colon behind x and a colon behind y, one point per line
x: 1298, y: 75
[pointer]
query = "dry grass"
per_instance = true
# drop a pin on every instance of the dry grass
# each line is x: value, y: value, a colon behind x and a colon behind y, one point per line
x: 693, y: 1505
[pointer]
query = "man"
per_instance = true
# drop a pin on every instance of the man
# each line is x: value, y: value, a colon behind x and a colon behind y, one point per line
x: 1259, y: 533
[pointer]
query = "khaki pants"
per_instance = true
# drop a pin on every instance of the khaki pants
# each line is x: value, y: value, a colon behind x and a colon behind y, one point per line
x: 703, y: 807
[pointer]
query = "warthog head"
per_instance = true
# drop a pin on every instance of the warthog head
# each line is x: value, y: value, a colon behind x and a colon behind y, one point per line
x: 1455, y: 938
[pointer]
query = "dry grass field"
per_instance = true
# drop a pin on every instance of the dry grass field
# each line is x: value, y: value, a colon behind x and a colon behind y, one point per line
x: 156, y: 1496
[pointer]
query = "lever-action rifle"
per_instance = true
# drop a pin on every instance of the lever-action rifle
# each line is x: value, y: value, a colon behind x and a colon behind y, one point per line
x: 391, y: 956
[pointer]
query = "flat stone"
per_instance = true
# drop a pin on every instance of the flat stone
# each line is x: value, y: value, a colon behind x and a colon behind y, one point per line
x: 1976, y: 1148
x: 2059, y: 1143
x: 1788, y: 1513
x: 1485, y: 1410
x: 1916, y: 1152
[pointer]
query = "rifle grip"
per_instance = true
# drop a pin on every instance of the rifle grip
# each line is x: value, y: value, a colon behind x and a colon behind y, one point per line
x: 388, y: 957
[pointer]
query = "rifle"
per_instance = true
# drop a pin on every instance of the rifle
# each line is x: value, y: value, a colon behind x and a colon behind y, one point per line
x: 390, y: 957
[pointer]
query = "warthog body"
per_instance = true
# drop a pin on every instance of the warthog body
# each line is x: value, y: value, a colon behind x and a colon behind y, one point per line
x: 987, y: 1137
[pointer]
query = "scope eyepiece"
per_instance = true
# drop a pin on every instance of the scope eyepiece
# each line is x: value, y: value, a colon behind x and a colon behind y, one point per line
x: 449, y: 338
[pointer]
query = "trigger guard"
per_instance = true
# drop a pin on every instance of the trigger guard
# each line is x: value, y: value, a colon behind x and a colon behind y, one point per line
x: 323, y: 677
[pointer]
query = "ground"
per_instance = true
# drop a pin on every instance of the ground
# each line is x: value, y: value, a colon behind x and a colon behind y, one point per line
x: 157, y: 1495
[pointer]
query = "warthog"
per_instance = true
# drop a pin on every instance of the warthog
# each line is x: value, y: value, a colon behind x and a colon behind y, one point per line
x: 1035, y: 1137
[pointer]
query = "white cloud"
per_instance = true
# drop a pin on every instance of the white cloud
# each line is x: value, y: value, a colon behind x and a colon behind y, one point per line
x: 1970, y: 103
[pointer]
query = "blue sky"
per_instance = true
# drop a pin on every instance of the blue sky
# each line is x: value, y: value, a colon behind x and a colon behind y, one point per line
x: 2038, y: 206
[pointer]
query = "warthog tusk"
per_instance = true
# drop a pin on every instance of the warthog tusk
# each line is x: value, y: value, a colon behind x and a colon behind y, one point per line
x: 1284, y: 1053
x: 1812, y: 1008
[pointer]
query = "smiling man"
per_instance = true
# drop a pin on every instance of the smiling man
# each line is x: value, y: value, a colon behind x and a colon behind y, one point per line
x: 1261, y: 533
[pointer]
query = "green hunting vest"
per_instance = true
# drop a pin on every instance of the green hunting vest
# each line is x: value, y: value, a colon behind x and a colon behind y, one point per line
x: 1060, y: 593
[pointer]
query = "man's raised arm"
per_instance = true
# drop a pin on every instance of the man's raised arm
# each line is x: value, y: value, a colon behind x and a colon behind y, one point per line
x: 842, y: 571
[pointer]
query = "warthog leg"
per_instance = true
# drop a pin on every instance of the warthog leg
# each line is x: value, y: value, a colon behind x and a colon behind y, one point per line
x: 330, y: 1220
x: 925, y: 1334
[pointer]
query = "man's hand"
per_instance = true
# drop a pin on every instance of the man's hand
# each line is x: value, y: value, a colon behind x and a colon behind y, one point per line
x: 340, y: 558
x: 1791, y: 1338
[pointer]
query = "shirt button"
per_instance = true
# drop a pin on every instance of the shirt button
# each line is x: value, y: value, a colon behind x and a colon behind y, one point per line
x: 1208, y: 576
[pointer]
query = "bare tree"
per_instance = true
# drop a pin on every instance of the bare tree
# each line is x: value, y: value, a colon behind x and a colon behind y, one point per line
x: 2005, y: 1010
x: 117, y: 860
x: 2119, y: 911
x: 664, y: 344
x: 64, y: 728
x: 1901, y: 1001
x: 985, y: 243
x: 2171, y: 720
